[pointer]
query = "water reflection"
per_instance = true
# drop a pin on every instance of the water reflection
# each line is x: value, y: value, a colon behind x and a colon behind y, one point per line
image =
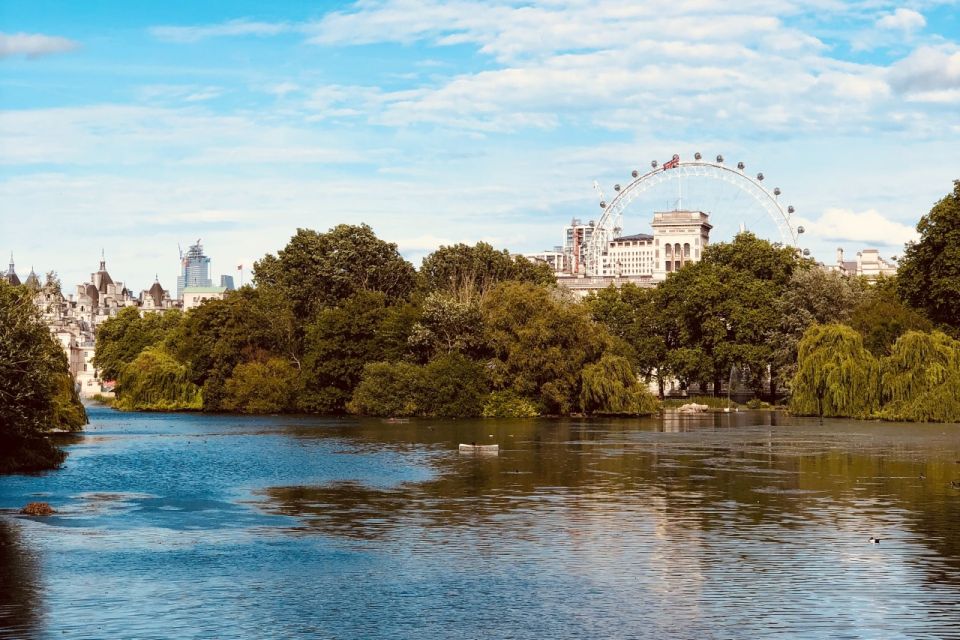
x: 20, y: 600
x: 717, y: 525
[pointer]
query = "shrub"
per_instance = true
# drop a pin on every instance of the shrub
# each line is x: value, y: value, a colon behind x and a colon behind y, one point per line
x: 507, y: 404
x: 260, y: 387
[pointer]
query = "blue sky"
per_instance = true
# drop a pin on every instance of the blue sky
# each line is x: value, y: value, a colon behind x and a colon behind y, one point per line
x: 138, y: 126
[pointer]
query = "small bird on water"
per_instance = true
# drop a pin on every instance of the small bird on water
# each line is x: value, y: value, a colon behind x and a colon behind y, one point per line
x: 874, y: 540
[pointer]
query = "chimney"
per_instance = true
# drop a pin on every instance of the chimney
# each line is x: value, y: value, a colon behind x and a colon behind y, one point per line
x: 840, y: 256
x: 859, y: 263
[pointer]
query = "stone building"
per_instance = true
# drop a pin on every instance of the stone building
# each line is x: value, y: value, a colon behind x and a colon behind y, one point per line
x: 156, y: 299
x: 868, y: 264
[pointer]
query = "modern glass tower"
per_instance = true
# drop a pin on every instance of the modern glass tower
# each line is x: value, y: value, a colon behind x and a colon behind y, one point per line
x: 194, y: 269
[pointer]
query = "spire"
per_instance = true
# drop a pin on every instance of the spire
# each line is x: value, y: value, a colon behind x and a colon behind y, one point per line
x: 103, y: 260
x: 11, y: 269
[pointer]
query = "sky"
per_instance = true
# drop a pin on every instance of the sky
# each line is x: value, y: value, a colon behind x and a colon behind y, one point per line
x: 134, y: 127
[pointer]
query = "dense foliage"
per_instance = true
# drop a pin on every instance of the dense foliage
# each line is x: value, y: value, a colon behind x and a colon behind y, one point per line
x: 920, y: 378
x: 929, y: 274
x: 339, y: 321
x: 36, y: 391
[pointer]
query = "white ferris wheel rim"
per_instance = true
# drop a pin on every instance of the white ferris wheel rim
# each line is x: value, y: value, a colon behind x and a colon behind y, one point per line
x: 611, y: 220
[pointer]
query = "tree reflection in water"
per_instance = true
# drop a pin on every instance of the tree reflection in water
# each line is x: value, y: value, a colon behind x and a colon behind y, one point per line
x: 710, y: 473
x: 19, y: 598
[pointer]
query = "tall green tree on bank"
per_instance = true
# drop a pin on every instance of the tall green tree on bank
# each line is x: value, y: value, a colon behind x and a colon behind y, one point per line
x: 920, y: 378
x: 881, y: 317
x: 928, y: 277
x: 467, y: 273
x: 36, y: 390
x: 836, y: 375
x: 319, y: 270
x: 121, y: 338
x: 540, y: 341
x: 610, y: 387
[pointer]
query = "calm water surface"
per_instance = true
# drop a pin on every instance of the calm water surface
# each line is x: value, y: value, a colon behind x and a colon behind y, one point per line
x: 751, y: 525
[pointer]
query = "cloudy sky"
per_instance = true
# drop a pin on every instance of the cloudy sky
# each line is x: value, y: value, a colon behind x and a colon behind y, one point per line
x: 133, y: 127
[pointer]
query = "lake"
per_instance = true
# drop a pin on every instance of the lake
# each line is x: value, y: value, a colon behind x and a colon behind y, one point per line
x: 745, y: 525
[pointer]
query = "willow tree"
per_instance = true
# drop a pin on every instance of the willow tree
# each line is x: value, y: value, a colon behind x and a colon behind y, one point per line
x: 611, y: 387
x: 155, y: 381
x: 836, y: 375
x: 920, y: 378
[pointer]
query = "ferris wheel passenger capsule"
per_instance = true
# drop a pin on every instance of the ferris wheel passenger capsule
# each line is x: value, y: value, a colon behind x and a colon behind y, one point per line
x: 741, y: 166
x: 634, y: 173
x: 800, y: 229
x: 616, y: 187
x: 697, y: 156
x: 760, y: 177
x: 653, y: 163
x: 603, y: 204
x: 806, y: 252
x: 776, y: 191
x: 790, y: 209
x: 720, y: 159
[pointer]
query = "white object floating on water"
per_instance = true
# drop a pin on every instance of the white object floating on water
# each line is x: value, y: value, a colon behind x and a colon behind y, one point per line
x: 480, y: 448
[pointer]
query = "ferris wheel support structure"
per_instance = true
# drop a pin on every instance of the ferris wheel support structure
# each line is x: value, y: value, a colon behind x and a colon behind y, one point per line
x: 611, y: 221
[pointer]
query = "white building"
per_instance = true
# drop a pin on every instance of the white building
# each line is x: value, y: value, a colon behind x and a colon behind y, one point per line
x: 195, y: 296
x: 868, y: 264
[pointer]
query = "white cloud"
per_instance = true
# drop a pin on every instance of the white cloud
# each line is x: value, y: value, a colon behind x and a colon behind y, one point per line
x: 865, y: 227
x: 905, y: 20
x: 34, y: 45
x: 231, y: 28
x: 927, y: 69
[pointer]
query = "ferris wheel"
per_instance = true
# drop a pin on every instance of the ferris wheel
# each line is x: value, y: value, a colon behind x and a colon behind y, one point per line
x: 734, y: 199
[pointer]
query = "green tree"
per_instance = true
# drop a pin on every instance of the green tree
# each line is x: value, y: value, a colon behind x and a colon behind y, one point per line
x: 611, y: 387
x: 121, y: 338
x: 447, y: 326
x: 453, y: 386
x: 220, y: 334
x: 540, y: 342
x: 388, y: 389
x: 836, y: 376
x: 319, y: 270
x: 881, y: 317
x: 928, y: 278
x: 467, y: 273
x: 261, y: 386
x: 36, y: 392
x: 340, y: 342
x: 920, y: 378
x: 156, y: 381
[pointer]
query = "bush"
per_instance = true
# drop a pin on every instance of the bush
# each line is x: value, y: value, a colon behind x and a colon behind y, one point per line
x: 260, y: 387
x: 449, y: 386
x: 507, y: 404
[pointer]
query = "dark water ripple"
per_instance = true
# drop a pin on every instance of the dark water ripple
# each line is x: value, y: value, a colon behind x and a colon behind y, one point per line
x: 718, y: 526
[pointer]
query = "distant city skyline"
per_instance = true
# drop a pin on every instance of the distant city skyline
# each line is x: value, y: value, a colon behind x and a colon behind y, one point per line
x: 134, y: 126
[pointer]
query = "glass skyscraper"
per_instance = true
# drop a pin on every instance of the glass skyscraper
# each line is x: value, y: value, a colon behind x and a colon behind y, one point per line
x: 194, y: 269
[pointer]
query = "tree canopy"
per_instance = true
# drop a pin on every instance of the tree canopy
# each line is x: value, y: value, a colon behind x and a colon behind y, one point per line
x: 929, y: 274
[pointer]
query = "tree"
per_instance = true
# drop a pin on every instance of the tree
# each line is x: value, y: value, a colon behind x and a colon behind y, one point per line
x: 447, y: 326
x: 611, y: 387
x: 156, y: 381
x: 319, y: 270
x: 836, y: 376
x: 388, y: 389
x: 340, y: 342
x: 467, y: 273
x: 121, y: 338
x: 928, y: 278
x: 881, y: 318
x: 267, y: 385
x: 36, y: 391
x: 540, y: 342
x: 761, y: 259
x: 921, y: 377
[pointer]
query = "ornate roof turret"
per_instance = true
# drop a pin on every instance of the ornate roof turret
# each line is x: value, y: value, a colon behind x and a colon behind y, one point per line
x: 11, y: 275
x: 32, y: 280
x: 156, y: 292
x: 101, y: 278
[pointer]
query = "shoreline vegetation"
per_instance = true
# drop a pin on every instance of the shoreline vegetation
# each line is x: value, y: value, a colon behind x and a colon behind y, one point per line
x: 37, y: 394
x: 340, y: 323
